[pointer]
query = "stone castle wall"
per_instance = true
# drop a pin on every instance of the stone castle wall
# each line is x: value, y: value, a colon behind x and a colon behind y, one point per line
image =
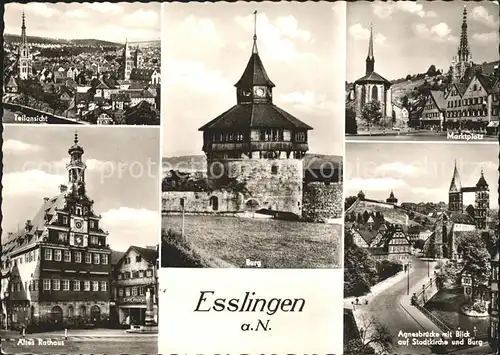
x: 274, y: 184
x: 200, y: 202
x: 322, y: 202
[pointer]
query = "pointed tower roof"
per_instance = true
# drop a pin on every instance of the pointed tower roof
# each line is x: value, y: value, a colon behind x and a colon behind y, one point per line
x: 456, y: 185
x: 463, y: 48
x: 482, y: 181
x: 24, y: 39
x: 254, y: 74
x: 370, y: 44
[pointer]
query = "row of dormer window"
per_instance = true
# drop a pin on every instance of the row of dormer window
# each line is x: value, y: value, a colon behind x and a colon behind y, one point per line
x: 135, y: 274
x: 60, y: 285
x: 66, y: 256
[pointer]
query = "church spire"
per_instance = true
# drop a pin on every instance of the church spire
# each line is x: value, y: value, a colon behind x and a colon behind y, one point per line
x: 254, y: 48
x: 24, y: 39
x: 463, y: 49
x: 370, y: 59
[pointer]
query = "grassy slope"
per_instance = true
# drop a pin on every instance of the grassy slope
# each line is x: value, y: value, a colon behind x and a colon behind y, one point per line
x: 178, y: 252
x: 277, y: 244
x: 399, y: 89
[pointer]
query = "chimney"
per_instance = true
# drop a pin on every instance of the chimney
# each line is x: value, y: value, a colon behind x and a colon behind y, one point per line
x: 63, y: 188
x: 46, y: 199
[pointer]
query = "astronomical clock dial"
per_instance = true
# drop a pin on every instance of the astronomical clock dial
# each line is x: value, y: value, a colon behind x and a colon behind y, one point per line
x: 79, y: 225
x: 259, y: 92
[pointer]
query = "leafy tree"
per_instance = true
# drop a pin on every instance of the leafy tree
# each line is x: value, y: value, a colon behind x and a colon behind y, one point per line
x: 432, y: 70
x: 371, y: 113
x: 448, y: 275
x: 431, y: 250
x: 359, y: 218
x: 475, y: 254
x: 351, y: 126
x: 408, y: 77
x: 373, y: 335
x: 349, y: 201
x: 359, y: 268
x: 419, y: 244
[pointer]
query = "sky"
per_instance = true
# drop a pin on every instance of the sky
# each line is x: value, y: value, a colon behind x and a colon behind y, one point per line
x: 418, y: 172
x: 410, y: 36
x: 121, y: 179
x: 104, y: 21
x: 206, y: 47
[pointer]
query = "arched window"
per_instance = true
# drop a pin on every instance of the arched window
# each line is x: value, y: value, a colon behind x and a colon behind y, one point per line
x: 363, y: 94
x: 70, y: 311
x: 374, y: 93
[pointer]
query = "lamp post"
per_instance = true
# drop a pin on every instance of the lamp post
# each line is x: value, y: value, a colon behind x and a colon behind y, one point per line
x: 183, y: 209
x: 408, y: 279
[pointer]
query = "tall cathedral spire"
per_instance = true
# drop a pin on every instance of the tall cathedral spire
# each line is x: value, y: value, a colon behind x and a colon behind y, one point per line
x: 456, y: 185
x: 370, y: 59
x: 463, y: 49
x: 24, y: 39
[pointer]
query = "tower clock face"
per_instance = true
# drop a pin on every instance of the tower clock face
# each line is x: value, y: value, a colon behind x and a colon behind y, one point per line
x: 259, y: 92
x: 247, y: 93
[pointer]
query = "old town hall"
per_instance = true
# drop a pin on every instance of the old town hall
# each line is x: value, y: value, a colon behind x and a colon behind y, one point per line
x: 56, y: 269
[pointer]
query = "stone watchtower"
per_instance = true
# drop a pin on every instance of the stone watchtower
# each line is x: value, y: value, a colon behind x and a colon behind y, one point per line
x: 258, y: 143
x: 392, y: 199
x: 482, y: 202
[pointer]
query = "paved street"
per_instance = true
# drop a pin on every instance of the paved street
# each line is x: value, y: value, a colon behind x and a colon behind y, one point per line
x: 102, y: 341
x: 386, y: 307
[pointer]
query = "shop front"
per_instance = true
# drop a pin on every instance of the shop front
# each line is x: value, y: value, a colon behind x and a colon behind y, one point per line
x: 132, y: 310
